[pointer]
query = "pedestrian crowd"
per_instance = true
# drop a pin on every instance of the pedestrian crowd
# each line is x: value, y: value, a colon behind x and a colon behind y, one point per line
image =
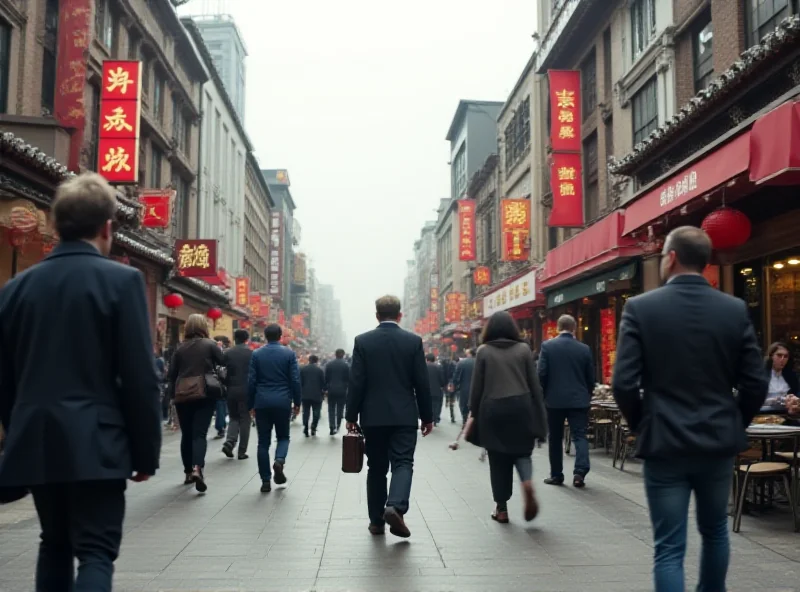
x: 78, y: 433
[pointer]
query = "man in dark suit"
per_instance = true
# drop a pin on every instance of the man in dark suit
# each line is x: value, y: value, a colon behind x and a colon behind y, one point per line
x: 83, y: 420
x: 389, y: 391
x: 337, y: 377
x: 437, y: 382
x: 462, y: 383
x: 237, y: 366
x: 312, y: 381
x: 566, y: 372
x: 682, y: 350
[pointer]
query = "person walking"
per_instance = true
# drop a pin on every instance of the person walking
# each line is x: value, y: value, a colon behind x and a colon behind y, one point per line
x: 462, y: 383
x: 273, y: 393
x: 682, y: 350
x: 566, y: 373
x: 193, y: 364
x: 337, y: 376
x: 80, y: 421
x: 508, y: 406
x: 312, y: 381
x: 221, y: 408
x: 390, y: 394
x: 237, y: 367
x: 436, y: 381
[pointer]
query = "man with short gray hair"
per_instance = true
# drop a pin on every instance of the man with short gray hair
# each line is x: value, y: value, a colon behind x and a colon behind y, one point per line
x: 566, y: 372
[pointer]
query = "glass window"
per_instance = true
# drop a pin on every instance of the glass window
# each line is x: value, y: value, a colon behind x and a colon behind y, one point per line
x: 518, y: 134
x: 763, y: 16
x: 94, y: 128
x: 50, y: 46
x: 643, y: 25
x: 589, y: 84
x: 607, y: 77
x: 460, y: 172
x: 703, y: 50
x: 591, y: 198
x: 155, y: 168
x: 158, y: 98
x: 645, y: 110
x: 5, y: 64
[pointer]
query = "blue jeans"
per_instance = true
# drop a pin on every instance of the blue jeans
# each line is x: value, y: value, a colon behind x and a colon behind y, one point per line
x: 669, y: 485
x: 578, y: 420
x: 222, y: 412
x: 266, y: 419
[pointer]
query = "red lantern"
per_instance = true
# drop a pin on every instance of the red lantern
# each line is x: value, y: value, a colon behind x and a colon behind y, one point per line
x: 214, y: 314
x: 173, y: 300
x: 727, y: 228
x: 454, y: 348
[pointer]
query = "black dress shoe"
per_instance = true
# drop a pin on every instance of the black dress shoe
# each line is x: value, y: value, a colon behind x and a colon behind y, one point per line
x: 188, y: 478
x: 333, y: 432
x: 305, y: 432
x: 266, y: 487
x: 278, y: 474
x: 377, y: 529
x: 243, y: 456
x: 227, y: 449
x: 579, y: 481
x: 554, y: 481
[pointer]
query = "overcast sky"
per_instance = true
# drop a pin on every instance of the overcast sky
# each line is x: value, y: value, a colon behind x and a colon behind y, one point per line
x: 354, y: 98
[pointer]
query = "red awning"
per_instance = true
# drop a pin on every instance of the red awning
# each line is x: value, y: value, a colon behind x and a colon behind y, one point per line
x: 775, y: 146
x: 599, y: 244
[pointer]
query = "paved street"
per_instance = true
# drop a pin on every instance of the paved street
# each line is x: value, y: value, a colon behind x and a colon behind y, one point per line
x: 312, y: 535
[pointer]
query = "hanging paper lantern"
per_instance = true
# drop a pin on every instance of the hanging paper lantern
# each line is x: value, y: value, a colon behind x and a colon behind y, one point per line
x: 454, y: 348
x: 727, y: 228
x: 214, y: 314
x: 173, y: 300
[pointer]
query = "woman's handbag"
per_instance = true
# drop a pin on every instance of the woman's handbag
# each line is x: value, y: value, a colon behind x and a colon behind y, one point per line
x: 190, y: 388
x: 214, y: 387
x: 353, y: 451
x: 471, y: 431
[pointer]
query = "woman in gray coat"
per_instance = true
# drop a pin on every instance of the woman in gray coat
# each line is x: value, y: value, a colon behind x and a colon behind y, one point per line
x: 508, y: 406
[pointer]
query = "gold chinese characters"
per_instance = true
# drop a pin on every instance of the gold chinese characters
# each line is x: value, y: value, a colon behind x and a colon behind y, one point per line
x: 194, y: 256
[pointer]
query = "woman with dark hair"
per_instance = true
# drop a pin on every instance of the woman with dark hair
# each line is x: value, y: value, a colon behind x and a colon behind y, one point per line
x: 507, y: 406
x: 782, y: 379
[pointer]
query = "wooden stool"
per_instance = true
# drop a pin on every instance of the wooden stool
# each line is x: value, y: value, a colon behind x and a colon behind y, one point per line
x: 763, y: 470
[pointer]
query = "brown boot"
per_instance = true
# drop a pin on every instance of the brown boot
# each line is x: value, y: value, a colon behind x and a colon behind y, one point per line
x: 199, y: 480
x: 529, y: 498
x: 500, y: 516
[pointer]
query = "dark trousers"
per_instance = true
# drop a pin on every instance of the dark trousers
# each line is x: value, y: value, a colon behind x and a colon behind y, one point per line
x: 82, y: 520
x: 390, y: 446
x: 501, y: 474
x: 437, y: 402
x: 266, y: 419
x: 194, y: 418
x: 221, y: 412
x: 308, y: 407
x: 238, y: 423
x: 463, y: 406
x: 578, y: 420
x: 335, y: 412
x: 451, y: 405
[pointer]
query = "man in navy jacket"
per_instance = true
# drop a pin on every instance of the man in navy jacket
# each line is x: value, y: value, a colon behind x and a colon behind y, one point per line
x: 274, y: 393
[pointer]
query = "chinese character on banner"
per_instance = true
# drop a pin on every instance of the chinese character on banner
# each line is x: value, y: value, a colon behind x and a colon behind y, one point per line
x: 435, y: 299
x: 549, y: 330
x: 242, y: 291
x: 196, y: 258
x: 566, y: 182
x: 276, y: 255
x: 466, y: 230
x: 433, y: 321
x: 461, y: 308
x: 515, y: 219
x: 119, y: 121
x: 482, y: 276
x: 254, y: 304
x: 156, y: 207
x: 608, y: 342
x: 565, y: 110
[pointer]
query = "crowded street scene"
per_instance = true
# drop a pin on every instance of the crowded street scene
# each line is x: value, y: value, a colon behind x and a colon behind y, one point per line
x: 454, y: 296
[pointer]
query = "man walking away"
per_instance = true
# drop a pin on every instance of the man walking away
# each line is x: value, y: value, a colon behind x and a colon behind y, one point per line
x: 273, y: 391
x: 221, y: 408
x: 312, y: 381
x: 436, y: 381
x: 566, y: 372
x: 337, y: 375
x: 237, y: 365
x: 682, y: 350
x: 80, y: 421
x: 462, y: 382
x: 389, y: 391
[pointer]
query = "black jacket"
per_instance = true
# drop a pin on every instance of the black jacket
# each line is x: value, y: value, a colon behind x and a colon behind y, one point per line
x: 312, y: 382
x: 566, y: 372
x: 194, y: 357
x: 337, y: 376
x: 237, y: 366
x: 79, y: 395
x: 436, y: 379
x: 687, y: 346
x: 388, y: 381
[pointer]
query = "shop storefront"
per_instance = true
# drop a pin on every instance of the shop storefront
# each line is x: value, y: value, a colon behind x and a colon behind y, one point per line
x: 519, y: 297
x: 197, y: 297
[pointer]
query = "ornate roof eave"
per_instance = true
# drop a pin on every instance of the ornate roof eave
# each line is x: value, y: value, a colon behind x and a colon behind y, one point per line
x: 215, y: 294
x: 785, y: 35
x: 135, y: 244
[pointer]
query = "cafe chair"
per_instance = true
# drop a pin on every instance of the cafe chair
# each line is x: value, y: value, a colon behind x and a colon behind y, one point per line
x: 762, y: 471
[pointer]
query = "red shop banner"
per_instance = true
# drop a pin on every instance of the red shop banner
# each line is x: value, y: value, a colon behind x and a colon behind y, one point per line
x: 549, y: 330
x: 120, y: 111
x: 566, y: 182
x: 196, y: 258
x: 466, y: 230
x: 242, y: 291
x: 565, y: 110
x: 482, y: 276
x: 515, y: 219
x: 435, y: 299
x: 156, y: 207
x: 608, y: 342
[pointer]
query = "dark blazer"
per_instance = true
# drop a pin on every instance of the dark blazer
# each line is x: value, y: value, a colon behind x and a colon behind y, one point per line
x: 79, y: 395
x: 687, y: 346
x: 436, y: 379
x: 388, y: 381
x: 337, y: 376
x: 566, y: 372
x: 462, y: 378
x: 312, y: 381
x: 237, y: 365
x: 788, y: 374
x: 274, y: 378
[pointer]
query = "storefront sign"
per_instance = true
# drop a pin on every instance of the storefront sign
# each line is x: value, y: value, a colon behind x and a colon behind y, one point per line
x: 299, y: 274
x: 566, y: 183
x: 475, y: 311
x: 591, y: 286
x: 515, y: 227
x: 196, y: 258
x: 118, y: 134
x: 466, y: 230
x: 254, y: 305
x: 156, y: 207
x: 608, y: 343
x: 549, y: 330
x: 520, y: 291
x: 482, y: 276
x: 455, y: 307
x: 276, y: 255
x: 435, y: 299
x: 242, y: 291
x: 565, y: 110
x: 266, y: 304
x: 223, y: 326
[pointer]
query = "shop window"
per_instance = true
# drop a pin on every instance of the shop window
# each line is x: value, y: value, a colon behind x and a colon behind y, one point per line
x: 784, y: 301
x: 589, y: 84
x: 460, y: 171
x: 703, y: 50
x: 643, y: 25
x: 517, y: 135
x: 645, y: 110
x: 158, y: 97
x: 608, y: 82
x: 609, y: 146
x: 748, y: 285
x: 591, y: 197
x: 5, y: 64
x: 155, y: 168
x: 105, y: 24
x: 50, y: 48
x: 94, y: 128
x: 764, y: 15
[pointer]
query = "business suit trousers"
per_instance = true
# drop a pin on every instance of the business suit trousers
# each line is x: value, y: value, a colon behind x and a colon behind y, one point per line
x: 578, y: 420
x: 335, y: 412
x: 79, y: 520
x: 194, y: 418
x: 266, y: 419
x: 437, y: 401
x: 308, y: 408
x: 238, y: 423
x: 389, y: 447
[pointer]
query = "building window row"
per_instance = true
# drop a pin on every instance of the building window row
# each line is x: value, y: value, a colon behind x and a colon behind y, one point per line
x: 518, y: 133
x: 703, y: 52
x: 460, y: 172
x: 643, y: 25
x: 645, y: 110
x: 764, y: 15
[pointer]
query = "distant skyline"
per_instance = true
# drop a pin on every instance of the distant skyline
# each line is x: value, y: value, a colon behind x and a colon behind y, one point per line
x: 354, y: 99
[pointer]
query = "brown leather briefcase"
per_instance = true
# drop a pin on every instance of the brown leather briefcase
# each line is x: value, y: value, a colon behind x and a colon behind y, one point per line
x: 353, y: 451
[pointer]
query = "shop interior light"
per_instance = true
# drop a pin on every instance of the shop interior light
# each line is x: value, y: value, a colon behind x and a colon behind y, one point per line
x: 746, y: 271
x: 793, y: 262
x: 586, y: 328
x: 778, y: 265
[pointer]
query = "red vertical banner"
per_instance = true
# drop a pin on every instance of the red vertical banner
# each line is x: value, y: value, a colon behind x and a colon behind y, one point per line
x: 565, y: 110
x: 435, y: 299
x: 156, y: 207
x: 711, y: 273
x: 242, y: 291
x: 466, y: 230
x: 515, y: 218
x: 549, y: 330
x: 266, y: 302
x: 281, y: 318
x: 566, y: 182
x: 462, y: 307
x: 482, y: 276
x: 254, y: 304
x: 608, y: 342
x: 120, y: 111
x: 276, y: 247
x: 433, y: 321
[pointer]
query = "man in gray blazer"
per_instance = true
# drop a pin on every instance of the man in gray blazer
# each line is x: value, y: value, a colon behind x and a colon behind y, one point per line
x: 237, y: 365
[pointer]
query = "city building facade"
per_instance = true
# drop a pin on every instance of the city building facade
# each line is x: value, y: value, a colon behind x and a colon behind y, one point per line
x: 282, y: 239
x: 257, y: 208
x: 472, y: 136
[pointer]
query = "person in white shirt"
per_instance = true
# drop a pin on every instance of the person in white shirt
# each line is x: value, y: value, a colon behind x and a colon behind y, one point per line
x: 782, y: 378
